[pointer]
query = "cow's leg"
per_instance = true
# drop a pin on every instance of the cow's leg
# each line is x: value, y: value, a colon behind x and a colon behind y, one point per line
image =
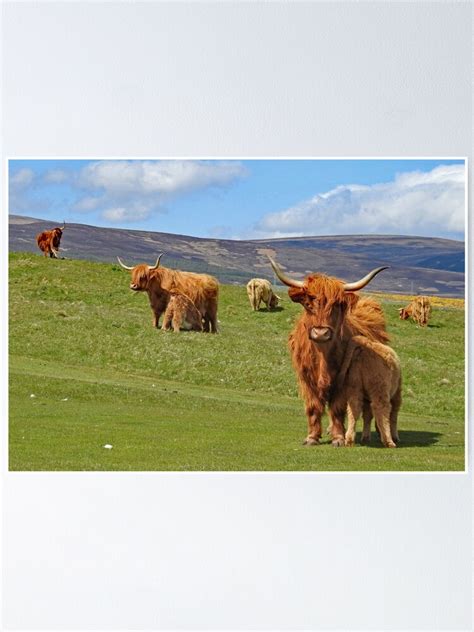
x: 396, y: 403
x: 206, y: 325
x: 167, y: 319
x: 212, y: 316
x: 337, y: 426
x: 354, y: 407
x: 381, y: 410
x: 156, y: 318
x: 367, y: 417
x: 314, y: 414
x: 177, y: 322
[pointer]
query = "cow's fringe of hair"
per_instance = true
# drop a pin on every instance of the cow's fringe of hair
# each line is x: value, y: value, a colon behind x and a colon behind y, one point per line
x: 366, y: 318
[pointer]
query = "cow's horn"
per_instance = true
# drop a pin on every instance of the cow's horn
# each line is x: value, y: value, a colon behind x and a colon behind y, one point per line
x: 282, y: 276
x: 156, y: 264
x: 358, y: 285
x: 63, y: 227
x: 123, y: 265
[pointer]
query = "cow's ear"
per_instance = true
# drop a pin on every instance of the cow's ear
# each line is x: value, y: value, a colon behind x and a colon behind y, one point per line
x: 297, y: 294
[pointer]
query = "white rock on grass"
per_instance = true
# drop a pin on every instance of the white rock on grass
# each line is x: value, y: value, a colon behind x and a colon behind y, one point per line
x: 107, y: 446
x: 32, y: 395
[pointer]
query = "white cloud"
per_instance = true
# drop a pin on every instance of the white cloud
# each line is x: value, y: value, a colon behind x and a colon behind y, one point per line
x: 56, y: 176
x: 22, y: 178
x: 420, y: 203
x: 131, y: 190
x: 126, y: 214
x: 164, y: 177
x: 87, y: 204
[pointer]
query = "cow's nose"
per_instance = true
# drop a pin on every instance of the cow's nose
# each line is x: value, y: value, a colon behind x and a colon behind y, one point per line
x: 320, y: 334
x: 133, y: 286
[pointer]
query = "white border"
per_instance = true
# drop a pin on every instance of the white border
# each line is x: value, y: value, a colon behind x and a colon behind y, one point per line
x: 259, y: 472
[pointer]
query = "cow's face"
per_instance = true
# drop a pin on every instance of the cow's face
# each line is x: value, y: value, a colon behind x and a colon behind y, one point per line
x: 140, y: 278
x: 403, y: 313
x: 326, y: 304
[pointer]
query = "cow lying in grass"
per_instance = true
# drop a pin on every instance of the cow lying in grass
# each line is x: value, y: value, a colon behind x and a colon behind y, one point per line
x: 333, y: 314
x: 419, y: 309
x: 181, y: 313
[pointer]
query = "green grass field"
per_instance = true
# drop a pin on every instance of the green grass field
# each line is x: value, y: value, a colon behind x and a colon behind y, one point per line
x: 87, y: 369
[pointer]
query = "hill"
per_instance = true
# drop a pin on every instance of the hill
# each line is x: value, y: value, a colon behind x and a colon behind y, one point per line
x: 418, y: 264
x: 88, y: 370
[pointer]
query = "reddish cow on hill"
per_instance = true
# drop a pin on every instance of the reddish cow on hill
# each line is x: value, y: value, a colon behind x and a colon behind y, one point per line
x: 333, y: 314
x: 160, y: 283
x: 48, y: 241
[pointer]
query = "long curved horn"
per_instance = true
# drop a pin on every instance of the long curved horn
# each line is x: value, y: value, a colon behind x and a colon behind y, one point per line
x: 63, y: 227
x: 123, y: 265
x: 156, y: 264
x: 358, y: 285
x: 282, y: 276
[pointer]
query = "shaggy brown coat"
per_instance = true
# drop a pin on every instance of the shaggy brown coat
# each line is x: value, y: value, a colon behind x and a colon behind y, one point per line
x: 327, y: 306
x: 48, y: 242
x: 161, y: 283
x: 373, y: 386
x: 419, y: 309
x: 260, y: 290
x: 181, y: 313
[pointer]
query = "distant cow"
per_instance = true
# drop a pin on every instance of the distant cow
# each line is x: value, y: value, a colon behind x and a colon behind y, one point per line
x: 48, y: 241
x: 419, y: 309
x: 260, y: 290
x: 160, y: 283
x: 181, y: 313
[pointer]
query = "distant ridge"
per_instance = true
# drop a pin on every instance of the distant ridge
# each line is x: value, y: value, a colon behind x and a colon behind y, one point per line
x: 428, y: 265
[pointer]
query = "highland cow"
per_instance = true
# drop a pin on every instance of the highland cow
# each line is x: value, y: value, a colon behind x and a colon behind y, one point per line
x: 48, y: 241
x: 333, y: 314
x: 260, y: 290
x: 160, y: 283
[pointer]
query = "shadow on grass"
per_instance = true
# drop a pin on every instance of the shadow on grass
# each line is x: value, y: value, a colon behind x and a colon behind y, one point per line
x: 408, y: 439
x: 273, y: 309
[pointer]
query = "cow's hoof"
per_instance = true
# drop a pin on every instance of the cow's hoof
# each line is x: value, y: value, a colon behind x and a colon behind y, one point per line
x: 349, y: 442
x: 311, y: 441
x: 391, y: 445
x: 338, y: 442
x: 365, y: 440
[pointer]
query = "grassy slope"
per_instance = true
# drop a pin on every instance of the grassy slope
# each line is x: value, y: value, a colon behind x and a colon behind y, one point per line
x: 84, y: 346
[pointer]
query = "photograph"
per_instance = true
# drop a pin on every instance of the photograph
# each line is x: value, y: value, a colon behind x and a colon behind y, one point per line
x: 190, y: 314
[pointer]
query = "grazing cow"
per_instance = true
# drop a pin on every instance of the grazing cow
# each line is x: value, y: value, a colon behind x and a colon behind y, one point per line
x: 260, y: 290
x: 372, y: 382
x: 160, y: 283
x: 332, y: 315
x: 419, y: 309
x: 181, y: 313
x: 48, y: 241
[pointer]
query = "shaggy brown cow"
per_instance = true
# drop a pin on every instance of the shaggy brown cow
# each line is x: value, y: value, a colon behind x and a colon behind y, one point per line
x: 160, y: 283
x: 419, y: 309
x: 332, y: 315
x: 48, y: 241
x: 181, y: 313
x: 260, y: 290
x: 373, y: 386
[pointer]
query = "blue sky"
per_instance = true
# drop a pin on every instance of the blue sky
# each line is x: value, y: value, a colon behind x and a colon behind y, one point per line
x: 246, y: 198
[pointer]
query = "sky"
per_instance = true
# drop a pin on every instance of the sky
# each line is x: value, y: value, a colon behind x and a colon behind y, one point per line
x: 246, y: 199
